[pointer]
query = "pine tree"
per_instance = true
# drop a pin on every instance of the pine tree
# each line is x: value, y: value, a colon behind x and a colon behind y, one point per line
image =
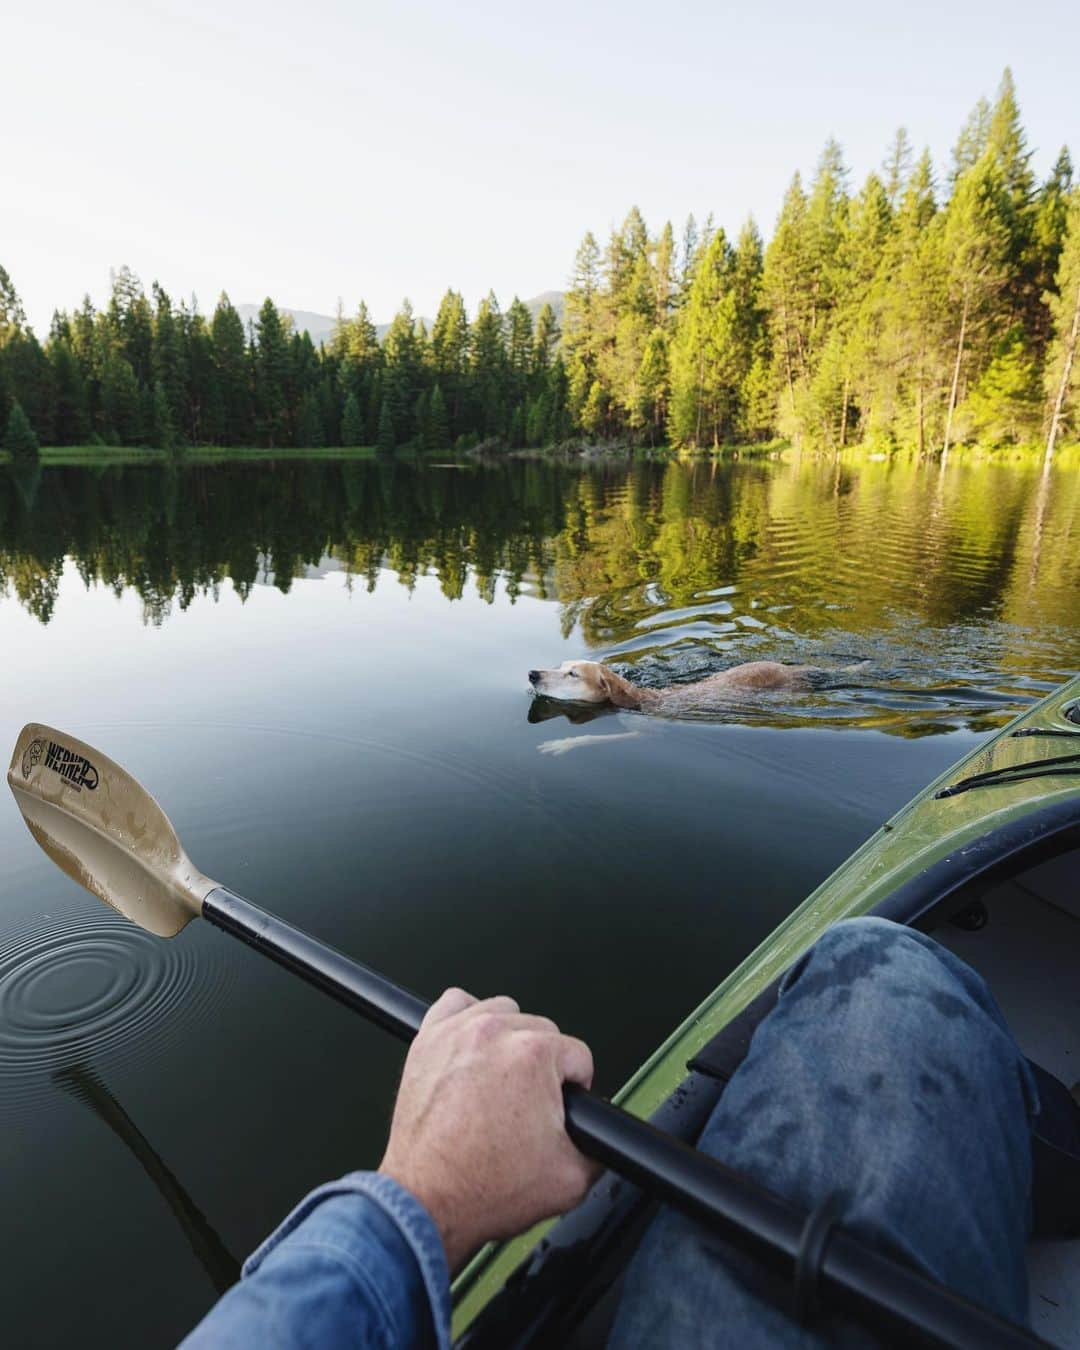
x: 158, y: 420
x: 717, y: 335
x: 1004, y: 406
x: 439, y: 425
x: 787, y: 287
x: 1007, y: 144
x: 665, y: 285
x: 72, y: 425
x: 488, y: 366
x: 843, y: 394
x: 26, y: 371
x: 19, y: 437
x: 12, y: 314
x: 581, y: 338
x: 330, y: 409
x: 422, y: 422
x: 233, y: 370
x: 537, y: 417
x: 401, y: 372
x: 902, y: 376
x: 1062, y: 367
x: 121, y: 402
x: 516, y: 435
x: 385, y: 440
x: 309, y: 427
x: 976, y: 242
x: 352, y: 422
x: 130, y: 323
x: 519, y: 346
x: 167, y: 363
x: 652, y: 384
x: 545, y: 339
x: 1049, y: 221
x: 272, y: 374
x: 709, y: 355
x: 450, y: 357
x: 972, y: 141
x: 897, y: 168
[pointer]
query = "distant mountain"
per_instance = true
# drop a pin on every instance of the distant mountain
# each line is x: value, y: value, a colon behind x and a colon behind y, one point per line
x: 556, y: 299
x: 320, y: 327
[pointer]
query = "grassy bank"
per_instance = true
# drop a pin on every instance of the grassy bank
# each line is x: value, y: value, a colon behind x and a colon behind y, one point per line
x: 124, y: 454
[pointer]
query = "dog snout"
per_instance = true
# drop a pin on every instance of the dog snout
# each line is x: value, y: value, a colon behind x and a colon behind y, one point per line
x: 534, y: 677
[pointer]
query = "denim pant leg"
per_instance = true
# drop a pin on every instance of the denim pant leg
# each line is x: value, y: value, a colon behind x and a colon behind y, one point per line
x: 887, y: 1077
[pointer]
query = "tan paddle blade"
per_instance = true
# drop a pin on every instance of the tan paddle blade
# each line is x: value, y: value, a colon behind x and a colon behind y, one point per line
x: 105, y: 830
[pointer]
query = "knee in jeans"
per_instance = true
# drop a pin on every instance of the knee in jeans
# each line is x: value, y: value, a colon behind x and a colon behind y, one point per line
x: 853, y: 949
x: 868, y: 930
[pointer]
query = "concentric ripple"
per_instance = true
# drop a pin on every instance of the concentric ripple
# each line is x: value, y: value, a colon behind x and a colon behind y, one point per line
x: 90, y: 985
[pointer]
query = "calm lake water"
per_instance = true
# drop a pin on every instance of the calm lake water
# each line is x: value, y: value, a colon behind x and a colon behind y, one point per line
x: 319, y: 668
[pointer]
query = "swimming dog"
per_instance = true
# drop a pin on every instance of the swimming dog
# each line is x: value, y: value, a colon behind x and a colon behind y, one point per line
x: 592, y: 682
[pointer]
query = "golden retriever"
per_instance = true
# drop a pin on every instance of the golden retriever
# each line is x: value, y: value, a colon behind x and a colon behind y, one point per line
x: 591, y: 682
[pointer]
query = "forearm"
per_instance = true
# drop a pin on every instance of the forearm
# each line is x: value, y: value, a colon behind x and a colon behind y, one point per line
x: 358, y: 1263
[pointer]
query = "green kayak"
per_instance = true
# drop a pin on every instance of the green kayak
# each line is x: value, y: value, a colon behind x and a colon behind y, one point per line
x: 987, y: 857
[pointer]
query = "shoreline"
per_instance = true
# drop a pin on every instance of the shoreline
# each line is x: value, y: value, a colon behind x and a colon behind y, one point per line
x: 577, y: 452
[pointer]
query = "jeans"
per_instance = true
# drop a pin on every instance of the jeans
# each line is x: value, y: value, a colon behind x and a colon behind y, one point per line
x: 885, y: 1077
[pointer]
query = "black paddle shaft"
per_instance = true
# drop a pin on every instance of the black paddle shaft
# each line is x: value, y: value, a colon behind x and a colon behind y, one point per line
x: 880, y: 1291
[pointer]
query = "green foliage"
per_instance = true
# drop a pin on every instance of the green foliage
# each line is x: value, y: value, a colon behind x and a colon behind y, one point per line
x: 158, y: 419
x: 352, y: 422
x: 905, y: 312
x: 439, y: 426
x: 1004, y: 407
x: 12, y: 315
x: 72, y: 421
x: 309, y: 426
x: 121, y: 403
x: 234, y: 375
x: 19, y: 435
x: 1062, y: 373
x: 385, y: 439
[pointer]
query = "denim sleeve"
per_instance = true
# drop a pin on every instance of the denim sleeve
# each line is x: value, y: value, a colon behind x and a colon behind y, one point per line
x: 358, y: 1264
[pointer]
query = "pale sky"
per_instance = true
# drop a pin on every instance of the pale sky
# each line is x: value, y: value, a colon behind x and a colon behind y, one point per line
x: 322, y: 149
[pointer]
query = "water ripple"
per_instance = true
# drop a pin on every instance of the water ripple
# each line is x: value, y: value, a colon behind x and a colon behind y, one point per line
x: 90, y: 985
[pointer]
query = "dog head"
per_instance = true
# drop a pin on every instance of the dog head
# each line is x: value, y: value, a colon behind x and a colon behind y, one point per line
x: 585, y: 682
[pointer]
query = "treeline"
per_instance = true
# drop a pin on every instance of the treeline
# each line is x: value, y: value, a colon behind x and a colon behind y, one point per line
x: 913, y: 312
x: 916, y: 312
x: 147, y: 372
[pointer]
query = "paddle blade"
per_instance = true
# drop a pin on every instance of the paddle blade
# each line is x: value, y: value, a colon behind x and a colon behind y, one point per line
x: 101, y: 827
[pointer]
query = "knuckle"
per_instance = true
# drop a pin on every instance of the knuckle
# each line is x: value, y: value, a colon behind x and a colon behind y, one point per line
x: 535, y: 1047
x: 484, y: 1027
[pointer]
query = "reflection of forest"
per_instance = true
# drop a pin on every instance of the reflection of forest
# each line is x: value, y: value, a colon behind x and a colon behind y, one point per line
x: 810, y: 545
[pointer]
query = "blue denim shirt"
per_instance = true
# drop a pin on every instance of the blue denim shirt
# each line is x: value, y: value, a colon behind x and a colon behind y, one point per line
x: 358, y: 1264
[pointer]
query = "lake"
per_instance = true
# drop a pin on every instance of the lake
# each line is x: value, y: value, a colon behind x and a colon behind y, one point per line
x: 319, y: 669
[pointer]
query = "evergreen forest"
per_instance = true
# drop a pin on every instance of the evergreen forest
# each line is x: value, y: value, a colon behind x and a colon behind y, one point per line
x: 928, y: 307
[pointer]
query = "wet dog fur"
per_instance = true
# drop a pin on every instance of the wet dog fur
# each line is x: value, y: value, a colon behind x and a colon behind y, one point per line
x: 592, y: 682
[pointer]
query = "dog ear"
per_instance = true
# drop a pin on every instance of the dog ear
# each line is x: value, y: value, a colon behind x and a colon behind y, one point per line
x: 618, y: 691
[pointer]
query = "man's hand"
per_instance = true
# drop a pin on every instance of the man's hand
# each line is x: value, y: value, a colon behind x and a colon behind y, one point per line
x: 478, y: 1134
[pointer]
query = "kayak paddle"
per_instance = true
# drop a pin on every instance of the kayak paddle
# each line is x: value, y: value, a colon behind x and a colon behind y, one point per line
x: 101, y: 827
